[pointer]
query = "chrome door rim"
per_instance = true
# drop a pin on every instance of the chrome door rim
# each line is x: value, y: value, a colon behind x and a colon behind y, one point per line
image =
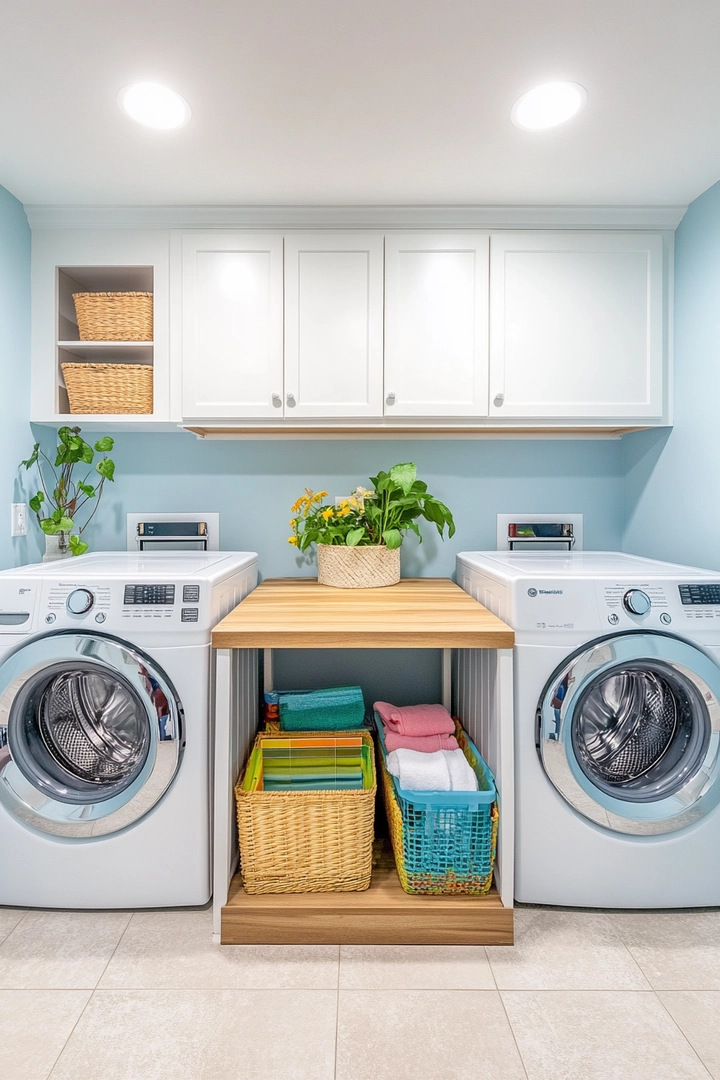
x: 690, y: 800
x: 37, y: 803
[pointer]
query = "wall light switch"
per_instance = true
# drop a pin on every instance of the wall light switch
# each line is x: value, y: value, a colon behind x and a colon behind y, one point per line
x: 18, y: 519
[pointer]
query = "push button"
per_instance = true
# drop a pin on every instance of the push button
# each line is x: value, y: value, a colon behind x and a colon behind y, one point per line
x: 665, y: 618
x: 613, y: 619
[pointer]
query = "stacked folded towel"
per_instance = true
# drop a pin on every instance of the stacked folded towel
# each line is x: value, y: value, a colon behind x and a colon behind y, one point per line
x: 417, y: 727
x: 340, y: 708
x: 442, y: 770
x: 422, y: 751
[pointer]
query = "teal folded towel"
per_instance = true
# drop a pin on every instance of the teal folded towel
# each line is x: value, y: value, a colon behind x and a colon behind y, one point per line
x: 340, y: 708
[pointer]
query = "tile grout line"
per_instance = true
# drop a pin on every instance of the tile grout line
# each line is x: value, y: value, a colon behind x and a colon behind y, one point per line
x: 682, y: 1033
x: 11, y: 932
x: 337, y: 1013
x: 70, y: 1033
x: 112, y: 954
x: 87, y: 1003
x: 512, y: 1032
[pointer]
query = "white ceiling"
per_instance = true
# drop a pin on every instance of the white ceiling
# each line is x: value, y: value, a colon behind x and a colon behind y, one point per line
x: 365, y: 102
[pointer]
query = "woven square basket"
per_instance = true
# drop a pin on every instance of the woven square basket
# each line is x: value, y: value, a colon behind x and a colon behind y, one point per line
x: 307, y: 841
x: 114, y: 316
x: 109, y: 388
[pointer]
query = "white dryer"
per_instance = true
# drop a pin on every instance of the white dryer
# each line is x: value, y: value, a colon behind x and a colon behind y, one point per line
x: 617, y: 725
x: 105, y: 727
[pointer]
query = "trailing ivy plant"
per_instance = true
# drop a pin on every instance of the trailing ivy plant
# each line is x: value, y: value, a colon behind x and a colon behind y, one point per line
x: 65, y: 500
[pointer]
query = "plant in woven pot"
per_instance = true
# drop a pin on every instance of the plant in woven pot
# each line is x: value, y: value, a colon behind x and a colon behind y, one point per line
x: 64, y: 499
x: 358, y: 541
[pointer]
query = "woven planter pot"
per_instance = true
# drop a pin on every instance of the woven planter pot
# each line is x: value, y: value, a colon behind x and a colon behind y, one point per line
x: 358, y: 567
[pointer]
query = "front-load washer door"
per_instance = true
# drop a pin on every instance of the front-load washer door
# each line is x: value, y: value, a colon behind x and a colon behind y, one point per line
x: 90, y: 734
x: 628, y: 731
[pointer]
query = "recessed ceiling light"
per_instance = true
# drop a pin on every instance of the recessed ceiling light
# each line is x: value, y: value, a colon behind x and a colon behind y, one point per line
x: 547, y: 105
x: 154, y: 105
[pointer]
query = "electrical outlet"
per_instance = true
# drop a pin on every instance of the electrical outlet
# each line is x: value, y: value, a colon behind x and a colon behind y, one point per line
x: 18, y: 519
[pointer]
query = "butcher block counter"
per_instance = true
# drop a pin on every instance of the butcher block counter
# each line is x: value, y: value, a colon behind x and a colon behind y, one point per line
x: 417, y: 613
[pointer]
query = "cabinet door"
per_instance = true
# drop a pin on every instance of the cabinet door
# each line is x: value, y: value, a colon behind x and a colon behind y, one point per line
x: 333, y: 324
x: 436, y: 324
x: 232, y: 288
x: 576, y: 325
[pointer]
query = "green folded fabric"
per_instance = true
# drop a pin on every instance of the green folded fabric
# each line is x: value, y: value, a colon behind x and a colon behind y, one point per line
x: 340, y: 708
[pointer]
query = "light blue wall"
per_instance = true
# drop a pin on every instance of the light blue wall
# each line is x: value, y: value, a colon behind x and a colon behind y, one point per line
x: 253, y: 485
x: 15, y: 433
x: 672, y: 479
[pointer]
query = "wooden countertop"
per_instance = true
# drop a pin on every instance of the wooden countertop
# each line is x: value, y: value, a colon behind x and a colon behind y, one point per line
x: 417, y: 613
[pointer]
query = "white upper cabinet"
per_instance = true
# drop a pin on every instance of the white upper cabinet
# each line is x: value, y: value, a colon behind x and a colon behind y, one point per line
x: 232, y: 319
x: 436, y: 324
x: 333, y: 324
x: 577, y: 325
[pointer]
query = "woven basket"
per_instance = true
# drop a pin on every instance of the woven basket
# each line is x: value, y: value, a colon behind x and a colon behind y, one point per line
x: 358, y: 567
x: 109, y: 388
x: 114, y: 316
x: 306, y: 841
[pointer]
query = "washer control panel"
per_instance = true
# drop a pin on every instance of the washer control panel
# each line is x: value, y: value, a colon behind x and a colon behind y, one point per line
x: 117, y: 605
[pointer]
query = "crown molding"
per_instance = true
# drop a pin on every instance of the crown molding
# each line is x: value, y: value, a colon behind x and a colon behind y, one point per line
x: 359, y: 217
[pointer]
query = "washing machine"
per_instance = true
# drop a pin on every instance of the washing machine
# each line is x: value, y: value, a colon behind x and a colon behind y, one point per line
x: 105, y: 727
x: 617, y: 725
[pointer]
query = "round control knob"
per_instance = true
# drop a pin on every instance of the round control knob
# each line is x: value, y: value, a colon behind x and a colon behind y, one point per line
x: 79, y: 601
x: 665, y: 618
x: 636, y: 602
x: 100, y: 617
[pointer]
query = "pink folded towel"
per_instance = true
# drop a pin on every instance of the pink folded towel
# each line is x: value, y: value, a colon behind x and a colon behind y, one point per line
x: 416, y: 720
x: 426, y: 744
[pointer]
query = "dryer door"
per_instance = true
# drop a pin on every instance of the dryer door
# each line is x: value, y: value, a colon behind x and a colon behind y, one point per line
x: 90, y: 734
x: 628, y: 731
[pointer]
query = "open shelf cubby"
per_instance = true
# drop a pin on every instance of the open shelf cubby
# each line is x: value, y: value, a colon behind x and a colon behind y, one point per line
x: 69, y: 347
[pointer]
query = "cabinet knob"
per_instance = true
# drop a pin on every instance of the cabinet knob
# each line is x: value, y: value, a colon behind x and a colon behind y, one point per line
x: 277, y: 400
x: 498, y: 400
x: 390, y: 399
x: 290, y: 400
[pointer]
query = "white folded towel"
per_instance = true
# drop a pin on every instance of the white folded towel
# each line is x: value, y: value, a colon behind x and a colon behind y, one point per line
x: 417, y: 771
x: 462, y: 776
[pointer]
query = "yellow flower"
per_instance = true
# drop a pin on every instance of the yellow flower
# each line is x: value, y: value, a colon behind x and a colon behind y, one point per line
x: 319, y: 496
x: 292, y: 539
x: 296, y: 505
x: 344, y: 512
x: 327, y: 514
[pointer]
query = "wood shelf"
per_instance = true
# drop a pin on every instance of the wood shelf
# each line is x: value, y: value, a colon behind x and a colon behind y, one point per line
x: 417, y: 613
x: 383, y: 915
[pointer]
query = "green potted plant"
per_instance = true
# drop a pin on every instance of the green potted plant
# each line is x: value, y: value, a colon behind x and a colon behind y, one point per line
x: 358, y: 541
x: 65, y: 500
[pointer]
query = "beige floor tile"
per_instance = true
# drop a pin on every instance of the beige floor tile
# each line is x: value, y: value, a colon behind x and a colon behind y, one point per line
x: 565, y: 950
x: 599, y: 1035
x: 677, y: 950
x: 175, y: 949
x: 425, y: 1035
x: 414, y: 967
x: 9, y: 918
x: 203, y: 1035
x: 697, y: 1014
x: 34, y: 1027
x: 60, y: 950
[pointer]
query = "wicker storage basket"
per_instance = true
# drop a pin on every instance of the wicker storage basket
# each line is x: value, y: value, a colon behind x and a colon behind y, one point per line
x: 307, y: 841
x: 358, y: 567
x: 443, y: 842
x: 114, y: 316
x: 109, y: 388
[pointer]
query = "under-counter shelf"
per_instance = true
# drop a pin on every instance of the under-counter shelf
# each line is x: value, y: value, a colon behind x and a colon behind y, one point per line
x: 383, y: 915
x: 299, y: 613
